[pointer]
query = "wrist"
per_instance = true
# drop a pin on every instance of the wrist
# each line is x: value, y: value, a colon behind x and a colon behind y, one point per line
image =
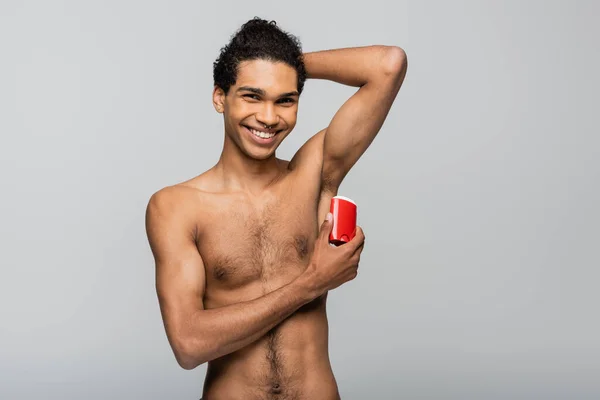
x: 309, y: 285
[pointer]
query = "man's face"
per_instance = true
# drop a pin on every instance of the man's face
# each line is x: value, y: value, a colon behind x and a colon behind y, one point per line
x: 265, y: 94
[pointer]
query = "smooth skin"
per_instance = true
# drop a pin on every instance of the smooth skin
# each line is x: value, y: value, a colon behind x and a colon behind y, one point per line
x: 243, y: 263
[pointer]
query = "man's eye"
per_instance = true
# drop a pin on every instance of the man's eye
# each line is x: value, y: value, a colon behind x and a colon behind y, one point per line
x: 252, y: 96
x: 286, y: 100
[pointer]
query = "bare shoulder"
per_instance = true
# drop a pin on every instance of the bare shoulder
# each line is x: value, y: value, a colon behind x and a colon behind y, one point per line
x: 172, y: 199
x: 174, y: 208
x: 180, y: 197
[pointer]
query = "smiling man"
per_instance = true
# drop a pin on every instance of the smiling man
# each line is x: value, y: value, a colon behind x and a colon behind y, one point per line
x: 243, y: 263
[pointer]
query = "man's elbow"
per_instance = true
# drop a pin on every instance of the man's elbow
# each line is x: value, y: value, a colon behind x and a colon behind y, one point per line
x: 188, y: 356
x: 394, y: 62
x: 186, y: 362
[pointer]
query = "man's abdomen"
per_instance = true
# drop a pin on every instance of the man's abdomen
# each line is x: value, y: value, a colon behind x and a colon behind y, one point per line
x: 291, y: 362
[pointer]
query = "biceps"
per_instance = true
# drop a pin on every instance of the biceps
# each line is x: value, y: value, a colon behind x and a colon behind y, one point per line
x: 353, y: 129
x: 180, y: 286
x: 346, y: 139
x: 357, y: 122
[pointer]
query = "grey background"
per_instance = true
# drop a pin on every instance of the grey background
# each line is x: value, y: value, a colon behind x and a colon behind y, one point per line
x: 479, y: 198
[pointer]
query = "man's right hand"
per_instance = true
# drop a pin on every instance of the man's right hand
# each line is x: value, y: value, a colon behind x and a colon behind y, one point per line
x: 330, y: 266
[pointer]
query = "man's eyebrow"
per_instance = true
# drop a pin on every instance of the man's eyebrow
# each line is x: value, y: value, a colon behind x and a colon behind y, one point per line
x: 251, y: 89
x: 263, y: 93
x: 289, y: 94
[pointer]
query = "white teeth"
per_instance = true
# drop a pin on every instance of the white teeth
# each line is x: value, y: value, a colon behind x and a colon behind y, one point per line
x: 263, y: 135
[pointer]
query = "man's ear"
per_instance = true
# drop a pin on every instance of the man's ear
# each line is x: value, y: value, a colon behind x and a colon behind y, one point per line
x: 219, y: 99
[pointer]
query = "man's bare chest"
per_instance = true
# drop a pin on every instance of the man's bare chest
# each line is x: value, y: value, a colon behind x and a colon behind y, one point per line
x: 266, y: 242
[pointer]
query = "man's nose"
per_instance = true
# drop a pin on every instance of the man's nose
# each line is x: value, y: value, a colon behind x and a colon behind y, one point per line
x: 267, y: 115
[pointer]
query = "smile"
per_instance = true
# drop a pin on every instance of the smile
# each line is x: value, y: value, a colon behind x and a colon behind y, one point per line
x: 260, y: 136
x: 264, y: 135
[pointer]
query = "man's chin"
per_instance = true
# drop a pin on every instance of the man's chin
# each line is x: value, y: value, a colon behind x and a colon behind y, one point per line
x: 258, y: 152
x: 261, y: 155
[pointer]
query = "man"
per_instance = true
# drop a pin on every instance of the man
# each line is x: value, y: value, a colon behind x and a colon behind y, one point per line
x: 242, y: 268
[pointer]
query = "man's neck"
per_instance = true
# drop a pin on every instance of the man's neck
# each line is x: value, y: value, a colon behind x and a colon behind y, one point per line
x: 237, y: 171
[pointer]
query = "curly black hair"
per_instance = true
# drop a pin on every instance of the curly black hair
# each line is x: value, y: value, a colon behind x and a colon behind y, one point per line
x: 258, y: 39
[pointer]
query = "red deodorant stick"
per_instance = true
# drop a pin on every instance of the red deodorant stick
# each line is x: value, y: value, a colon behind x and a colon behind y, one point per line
x: 344, y: 220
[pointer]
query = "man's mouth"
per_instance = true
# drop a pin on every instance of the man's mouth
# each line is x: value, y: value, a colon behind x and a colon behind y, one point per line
x: 261, y: 133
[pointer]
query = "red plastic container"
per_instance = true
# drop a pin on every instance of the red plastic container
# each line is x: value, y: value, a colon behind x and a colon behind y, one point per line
x: 344, y: 220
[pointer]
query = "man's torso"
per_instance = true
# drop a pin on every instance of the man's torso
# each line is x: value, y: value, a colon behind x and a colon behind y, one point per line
x: 251, y: 246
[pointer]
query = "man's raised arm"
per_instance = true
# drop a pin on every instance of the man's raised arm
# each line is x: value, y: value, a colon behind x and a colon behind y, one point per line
x: 379, y: 72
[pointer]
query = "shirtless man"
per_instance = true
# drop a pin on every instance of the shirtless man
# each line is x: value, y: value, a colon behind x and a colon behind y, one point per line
x: 243, y: 263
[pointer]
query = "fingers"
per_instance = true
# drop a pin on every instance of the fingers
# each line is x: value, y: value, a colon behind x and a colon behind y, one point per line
x: 358, y: 240
x: 326, y: 227
x: 359, y: 249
